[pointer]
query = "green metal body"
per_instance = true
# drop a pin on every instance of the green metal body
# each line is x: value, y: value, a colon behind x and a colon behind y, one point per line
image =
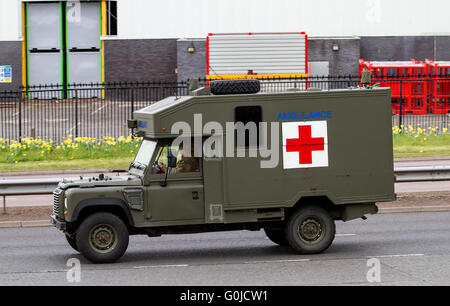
x: 235, y: 192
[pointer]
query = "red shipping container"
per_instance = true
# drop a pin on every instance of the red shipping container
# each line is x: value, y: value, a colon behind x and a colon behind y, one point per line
x: 439, y: 93
x: 407, y: 80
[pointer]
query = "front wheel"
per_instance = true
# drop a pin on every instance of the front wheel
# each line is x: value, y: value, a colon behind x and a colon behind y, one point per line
x: 72, y: 240
x: 310, y: 230
x: 102, y: 238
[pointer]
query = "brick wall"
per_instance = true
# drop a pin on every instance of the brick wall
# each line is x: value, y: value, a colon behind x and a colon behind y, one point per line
x: 11, y: 54
x: 140, y: 60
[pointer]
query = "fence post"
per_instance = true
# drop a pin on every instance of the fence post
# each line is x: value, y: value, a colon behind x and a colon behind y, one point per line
x: 20, y: 116
x: 132, y: 102
x: 400, y: 106
x: 76, y: 112
x: 4, y: 205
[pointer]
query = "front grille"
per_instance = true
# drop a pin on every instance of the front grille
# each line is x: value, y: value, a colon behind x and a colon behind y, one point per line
x: 57, y: 197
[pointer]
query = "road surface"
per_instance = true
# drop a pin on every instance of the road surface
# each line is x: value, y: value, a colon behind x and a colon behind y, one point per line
x: 413, y: 249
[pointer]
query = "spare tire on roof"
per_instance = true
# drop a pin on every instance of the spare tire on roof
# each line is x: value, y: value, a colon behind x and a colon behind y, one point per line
x: 233, y: 87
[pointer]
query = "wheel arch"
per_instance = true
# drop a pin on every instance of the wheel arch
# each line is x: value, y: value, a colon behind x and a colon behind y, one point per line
x: 321, y: 201
x: 115, y: 206
x: 344, y: 212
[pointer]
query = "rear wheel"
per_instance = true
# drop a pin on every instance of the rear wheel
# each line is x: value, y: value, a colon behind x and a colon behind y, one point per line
x: 72, y: 240
x: 310, y: 230
x: 276, y: 236
x: 102, y: 238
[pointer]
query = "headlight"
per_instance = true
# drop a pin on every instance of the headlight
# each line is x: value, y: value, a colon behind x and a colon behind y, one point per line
x: 65, y: 203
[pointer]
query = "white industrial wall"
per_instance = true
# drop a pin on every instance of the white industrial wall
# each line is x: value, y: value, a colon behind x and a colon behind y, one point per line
x: 139, y: 19
x: 195, y: 18
x: 10, y: 20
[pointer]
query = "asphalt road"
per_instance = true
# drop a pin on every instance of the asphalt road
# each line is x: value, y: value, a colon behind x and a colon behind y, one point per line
x: 413, y: 249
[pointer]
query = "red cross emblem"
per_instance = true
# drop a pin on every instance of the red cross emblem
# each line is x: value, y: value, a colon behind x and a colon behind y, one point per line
x: 305, y: 144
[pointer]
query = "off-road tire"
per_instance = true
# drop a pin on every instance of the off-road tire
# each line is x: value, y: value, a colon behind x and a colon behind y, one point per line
x: 98, y: 228
x: 276, y: 236
x: 310, y: 217
x: 72, y: 240
x: 230, y: 87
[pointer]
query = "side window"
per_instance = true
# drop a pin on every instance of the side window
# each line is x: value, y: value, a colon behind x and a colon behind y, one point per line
x: 185, y: 161
x: 247, y: 119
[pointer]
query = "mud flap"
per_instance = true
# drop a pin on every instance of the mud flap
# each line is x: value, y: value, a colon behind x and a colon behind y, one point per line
x: 355, y: 211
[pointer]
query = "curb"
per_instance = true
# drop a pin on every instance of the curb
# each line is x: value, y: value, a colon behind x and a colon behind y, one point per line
x: 25, y: 224
x: 412, y: 209
x: 422, y: 158
x: 386, y: 210
x: 58, y: 172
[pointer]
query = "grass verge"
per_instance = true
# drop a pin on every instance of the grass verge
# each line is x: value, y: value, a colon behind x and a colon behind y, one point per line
x: 418, y: 143
x: 110, y: 163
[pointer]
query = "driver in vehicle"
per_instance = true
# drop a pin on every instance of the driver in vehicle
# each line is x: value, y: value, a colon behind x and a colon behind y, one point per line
x: 184, y: 164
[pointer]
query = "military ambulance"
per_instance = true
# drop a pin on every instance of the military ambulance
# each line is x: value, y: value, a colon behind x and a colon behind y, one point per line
x: 319, y: 156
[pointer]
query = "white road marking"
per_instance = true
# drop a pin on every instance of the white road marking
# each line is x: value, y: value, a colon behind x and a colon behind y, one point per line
x: 337, y: 235
x: 275, y: 261
x: 233, y: 263
x: 160, y: 266
x: 397, y: 255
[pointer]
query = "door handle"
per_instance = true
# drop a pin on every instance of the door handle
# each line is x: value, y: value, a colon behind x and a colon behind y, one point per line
x: 195, y: 195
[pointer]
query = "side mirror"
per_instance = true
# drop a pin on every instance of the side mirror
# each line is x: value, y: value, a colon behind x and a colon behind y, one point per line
x: 171, y: 160
x: 132, y: 124
x: 171, y: 163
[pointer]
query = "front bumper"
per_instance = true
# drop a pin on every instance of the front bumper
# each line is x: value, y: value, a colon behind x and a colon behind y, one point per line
x: 59, y: 224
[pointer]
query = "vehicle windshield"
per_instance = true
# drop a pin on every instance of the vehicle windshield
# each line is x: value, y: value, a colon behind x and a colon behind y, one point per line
x: 143, y: 156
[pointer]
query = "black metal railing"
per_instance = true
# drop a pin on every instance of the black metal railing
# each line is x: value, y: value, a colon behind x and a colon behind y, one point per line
x: 98, y: 110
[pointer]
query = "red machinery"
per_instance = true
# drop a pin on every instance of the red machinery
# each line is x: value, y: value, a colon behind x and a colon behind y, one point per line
x: 439, y: 86
x: 407, y: 80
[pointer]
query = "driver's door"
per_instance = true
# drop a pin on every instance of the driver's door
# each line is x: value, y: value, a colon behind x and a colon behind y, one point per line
x: 181, y: 199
